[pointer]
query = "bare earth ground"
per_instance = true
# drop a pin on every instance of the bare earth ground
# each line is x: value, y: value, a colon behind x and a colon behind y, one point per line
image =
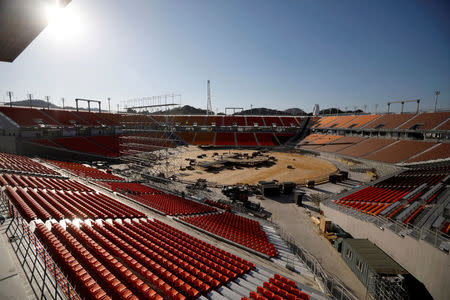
x: 305, y: 168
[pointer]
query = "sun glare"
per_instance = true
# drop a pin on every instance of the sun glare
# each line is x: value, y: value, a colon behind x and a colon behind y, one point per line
x: 64, y: 23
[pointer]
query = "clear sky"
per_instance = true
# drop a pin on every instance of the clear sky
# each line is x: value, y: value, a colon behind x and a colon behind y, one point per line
x: 265, y: 53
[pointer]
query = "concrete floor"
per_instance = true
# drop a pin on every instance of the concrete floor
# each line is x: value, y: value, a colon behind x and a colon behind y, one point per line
x: 297, y: 221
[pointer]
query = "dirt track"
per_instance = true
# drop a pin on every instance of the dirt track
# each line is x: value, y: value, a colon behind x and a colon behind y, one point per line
x: 305, y: 168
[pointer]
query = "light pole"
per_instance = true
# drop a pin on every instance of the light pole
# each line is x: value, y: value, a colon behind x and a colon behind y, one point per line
x: 29, y: 98
x: 48, y: 101
x: 436, y: 94
x: 10, y: 96
x: 62, y: 99
x: 109, y: 104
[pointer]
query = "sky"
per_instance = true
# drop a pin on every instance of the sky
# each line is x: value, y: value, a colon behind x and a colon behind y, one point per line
x: 262, y: 53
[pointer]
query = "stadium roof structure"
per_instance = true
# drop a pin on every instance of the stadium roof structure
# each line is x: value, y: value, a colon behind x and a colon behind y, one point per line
x: 21, y: 21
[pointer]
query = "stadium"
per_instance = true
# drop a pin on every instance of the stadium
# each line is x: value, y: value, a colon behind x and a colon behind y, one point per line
x: 153, y: 201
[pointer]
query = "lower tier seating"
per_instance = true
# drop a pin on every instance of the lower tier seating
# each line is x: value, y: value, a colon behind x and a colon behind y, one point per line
x: 235, y: 228
x: 400, y: 151
x: 171, y: 204
x: 42, y: 182
x: 84, y: 171
x: 81, y: 144
x: 140, y: 259
x: 22, y: 164
x: 278, y: 288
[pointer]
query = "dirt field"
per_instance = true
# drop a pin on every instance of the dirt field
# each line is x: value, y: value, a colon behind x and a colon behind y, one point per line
x: 305, y: 168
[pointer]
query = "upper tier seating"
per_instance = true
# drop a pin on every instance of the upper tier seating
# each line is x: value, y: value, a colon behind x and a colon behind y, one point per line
x: 196, y: 120
x: 246, y: 139
x: 82, y: 144
x: 204, y: 138
x: 340, y: 144
x: 18, y: 163
x: 255, y: 121
x: 366, y: 147
x: 225, y: 139
x: 444, y: 126
x: 217, y: 120
x: 278, y: 288
x: 65, y: 117
x: 272, y: 120
x: 389, y: 121
x: 324, y: 121
x: 111, y: 119
x: 339, y: 122
x: 235, y: 228
x: 137, y: 119
x: 27, y: 116
x: 234, y: 120
x: 439, y: 152
x: 400, y: 151
x: 92, y: 118
x: 46, y: 142
x: 266, y: 139
x: 84, y: 171
x: 290, y: 121
x: 108, y: 142
x: 284, y: 137
x: 360, y: 121
x: 180, y: 120
x: 426, y: 121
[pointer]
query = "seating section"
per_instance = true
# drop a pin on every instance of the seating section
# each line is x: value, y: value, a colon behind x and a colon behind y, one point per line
x: 92, y: 118
x: 218, y: 204
x: 241, y: 230
x: 266, y: 139
x: 204, y: 138
x: 246, y: 139
x: 284, y: 137
x: 314, y: 141
x: 426, y: 121
x: 46, y: 142
x: 187, y: 136
x: 65, y: 117
x: 401, y: 197
x: 42, y: 183
x: 22, y: 164
x: 341, y: 144
x: 441, y: 151
x: 444, y: 126
x: 278, y: 288
x: 86, y: 286
x: 340, y: 122
x: 84, y: 171
x: 324, y: 121
x: 400, y: 151
x: 179, y: 120
x: 196, y: 120
x: 225, y: 139
x: 255, y: 121
x: 360, y: 121
x: 170, y: 204
x: 81, y: 144
x: 27, y: 117
x: 46, y: 204
x: 234, y: 120
x: 290, y: 121
x: 217, y: 120
x: 270, y: 121
x: 129, y: 188
x: 389, y: 121
x: 365, y: 147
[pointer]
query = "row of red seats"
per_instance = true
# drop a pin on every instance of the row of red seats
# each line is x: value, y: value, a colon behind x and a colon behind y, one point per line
x: 81, y: 144
x: 246, y: 139
x: 60, y: 205
x: 218, y: 204
x: 235, y: 228
x: 171, y: 204
x: 410, y: 181
x: 129, y: 188
x: 233, y: 139
x: 278, y: 288
x: 86, y: 286
x: 18, y: 163
x: 42, y: 182
x: 84, y: 171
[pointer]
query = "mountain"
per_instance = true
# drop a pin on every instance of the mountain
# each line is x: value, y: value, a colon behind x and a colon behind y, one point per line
x: 184, y: 110
x: 33, y: 103
x: 268, y: 111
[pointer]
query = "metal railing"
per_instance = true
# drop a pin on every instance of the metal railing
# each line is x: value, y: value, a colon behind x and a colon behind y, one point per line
x: 435, y: 238
x: 331, y: 284
x: 45, y: 278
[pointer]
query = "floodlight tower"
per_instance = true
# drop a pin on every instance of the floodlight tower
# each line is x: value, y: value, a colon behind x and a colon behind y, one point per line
x: 10, y: 96
x: 436, y: 94
x: 208, y: 92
